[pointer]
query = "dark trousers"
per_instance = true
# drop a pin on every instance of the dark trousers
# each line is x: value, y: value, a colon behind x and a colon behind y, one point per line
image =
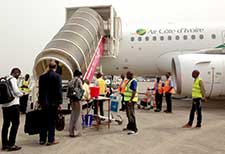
x: 123, y: 105
x: 10, y: 115
x: 158, y: 100
x: 100, y: 104
x: 23, y: 103
x: 48, y: 124
x: 168, y: 102
x: 196, y: 105
x: 131, y: 117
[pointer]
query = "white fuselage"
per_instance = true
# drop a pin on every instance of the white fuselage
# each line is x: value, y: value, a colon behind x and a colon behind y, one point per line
x: 152, y: 52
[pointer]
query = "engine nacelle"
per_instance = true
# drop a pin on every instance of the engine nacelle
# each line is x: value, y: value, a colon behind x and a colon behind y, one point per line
x: 212, y: 71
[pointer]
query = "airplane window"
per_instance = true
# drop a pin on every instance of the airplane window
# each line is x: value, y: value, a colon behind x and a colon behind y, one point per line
x: 169, y: 38
x: 213, y: 36
x: 185, y: 37
x: 147, y: 38
x: 154, y: 38
x: 139, y: 38
x: 192, y: 37
x: 161, y: 38
x: 201, y: 36
x: 177, y: 37
x: 132, y: 39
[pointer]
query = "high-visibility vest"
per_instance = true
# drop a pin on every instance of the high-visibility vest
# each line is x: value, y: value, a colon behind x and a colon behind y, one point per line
x: 159, y: 86
x: 102, y: 86
x: 196, y: 89
x: 167, y: 87
x: 122, y: 86
x: 128, y: 92
x: 25, y: 86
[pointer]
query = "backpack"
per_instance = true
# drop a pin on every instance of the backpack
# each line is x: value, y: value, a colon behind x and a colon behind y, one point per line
x: 6, y: 90
x: 75, y: 92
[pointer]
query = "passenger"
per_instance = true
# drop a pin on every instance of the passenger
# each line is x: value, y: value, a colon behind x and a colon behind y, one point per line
x: 50, y: 100
x: 11, y: 115
x: 86, y: 88
x: 75, y: 117
x: 121, y: 90
x: 58, y: 68
x: 168, y: 90
x: 130, y: 98
x: 198, y: 94
x: 25, y: 88
x: 102, y: 88
x: 158, y: 87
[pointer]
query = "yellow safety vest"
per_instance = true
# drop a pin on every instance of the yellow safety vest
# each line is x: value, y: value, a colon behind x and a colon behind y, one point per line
x: 128, y: 92
x: 196, y: 89
x: 25, y: 86
x: 102, y: 86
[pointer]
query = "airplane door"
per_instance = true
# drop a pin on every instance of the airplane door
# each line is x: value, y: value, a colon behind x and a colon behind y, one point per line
x: 223, y: 36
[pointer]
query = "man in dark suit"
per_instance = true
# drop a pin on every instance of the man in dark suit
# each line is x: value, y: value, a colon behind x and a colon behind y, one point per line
x: 50, y: 99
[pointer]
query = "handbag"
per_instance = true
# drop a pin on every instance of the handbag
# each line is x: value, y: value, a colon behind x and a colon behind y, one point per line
x: 60, y: 121
x: 75, y: 92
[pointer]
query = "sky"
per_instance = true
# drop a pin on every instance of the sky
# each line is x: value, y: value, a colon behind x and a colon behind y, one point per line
x: 28, y: 25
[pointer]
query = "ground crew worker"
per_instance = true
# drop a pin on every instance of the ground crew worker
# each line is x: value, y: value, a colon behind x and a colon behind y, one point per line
x: 130, y: 98
x: 158, y: 87
x: 121, y: 90
x: 26, y: 90
x: 168, y: 90
x: 102, y: 91
x: 198, y: 94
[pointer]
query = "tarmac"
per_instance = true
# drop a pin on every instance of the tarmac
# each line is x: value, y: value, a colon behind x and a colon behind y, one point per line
x: 159, y: 133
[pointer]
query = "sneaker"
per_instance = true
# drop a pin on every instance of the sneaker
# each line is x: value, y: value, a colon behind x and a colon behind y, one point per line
x: 125, y: 129
x: 42, y: 142
x: 132, y: 132
x: 167, y: 111
x: 14, y: 148
x: 186, y: 126
x: 157, y: 110
x: 52, y: 143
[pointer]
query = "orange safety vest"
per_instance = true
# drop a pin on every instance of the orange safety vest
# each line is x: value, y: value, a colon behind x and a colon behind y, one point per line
x: 122, y: 86
x: 160, y: 88
x: 167, y: 87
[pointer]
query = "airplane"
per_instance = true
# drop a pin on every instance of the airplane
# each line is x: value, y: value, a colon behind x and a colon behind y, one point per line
x: 143, y: 49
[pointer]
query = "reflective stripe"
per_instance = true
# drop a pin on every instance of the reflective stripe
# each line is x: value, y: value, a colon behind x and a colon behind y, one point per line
x: 196, y: 90
x: 122, y: 86
x: 159, y: 86
x: 128, y: 92
x: 167, y: 87
x: 25, y: 86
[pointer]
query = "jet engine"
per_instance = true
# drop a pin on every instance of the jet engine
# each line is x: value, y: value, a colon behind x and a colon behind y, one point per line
x: 211, y: 68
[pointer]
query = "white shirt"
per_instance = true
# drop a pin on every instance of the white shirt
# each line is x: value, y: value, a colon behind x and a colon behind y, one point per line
x: 16, y: 92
